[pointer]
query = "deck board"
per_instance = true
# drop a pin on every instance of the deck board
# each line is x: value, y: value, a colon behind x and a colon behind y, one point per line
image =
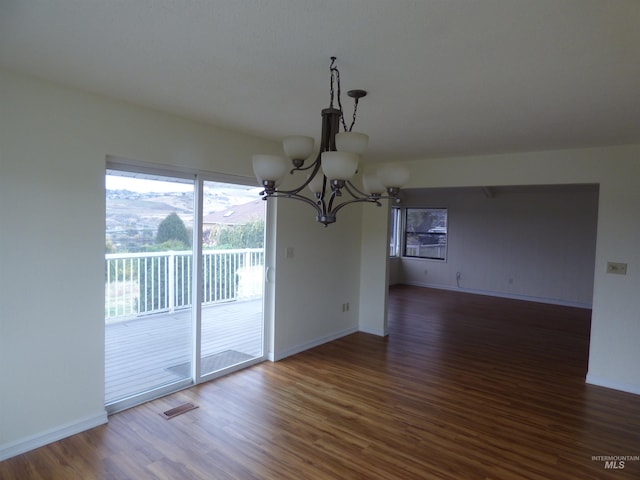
x: 139, y: 352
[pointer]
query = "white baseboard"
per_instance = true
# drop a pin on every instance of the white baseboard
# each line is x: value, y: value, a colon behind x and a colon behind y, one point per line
x: 380, y: 333
x: 514, y: 296
x: 32, y: 442
x: 603, y: 382
x: 314, y: 343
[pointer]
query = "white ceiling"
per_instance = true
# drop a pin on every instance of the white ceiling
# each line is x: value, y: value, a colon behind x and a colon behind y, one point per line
x: 446, y: 77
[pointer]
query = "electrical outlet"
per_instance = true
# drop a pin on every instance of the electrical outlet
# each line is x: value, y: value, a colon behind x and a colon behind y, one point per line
x: 617, y: 268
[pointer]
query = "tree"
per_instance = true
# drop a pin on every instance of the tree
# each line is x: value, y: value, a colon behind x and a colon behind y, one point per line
x: 172, y: 236
x: 249, y: 235
x: 173, y: 228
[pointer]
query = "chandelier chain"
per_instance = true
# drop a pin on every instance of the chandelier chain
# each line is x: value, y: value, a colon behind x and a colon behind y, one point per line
x: 335, y: 74
x: 353, y: 121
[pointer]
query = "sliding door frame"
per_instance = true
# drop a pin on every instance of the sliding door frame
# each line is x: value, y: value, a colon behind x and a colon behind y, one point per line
x: 198, y: 177
x: 202, y: 177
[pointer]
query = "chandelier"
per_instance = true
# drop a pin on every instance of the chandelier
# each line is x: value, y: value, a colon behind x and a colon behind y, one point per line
x: 335, y: 165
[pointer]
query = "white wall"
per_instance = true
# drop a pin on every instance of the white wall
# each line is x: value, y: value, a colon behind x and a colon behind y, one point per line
x: 53, y: 145
x: 535, y: 243
x: 395, y: 270
x: 54, y: 142
x: 375, y: 245
x: 312, y: 285
x: 615, y: 333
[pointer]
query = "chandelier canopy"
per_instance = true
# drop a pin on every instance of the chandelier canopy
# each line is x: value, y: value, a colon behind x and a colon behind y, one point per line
x: 334, y: 166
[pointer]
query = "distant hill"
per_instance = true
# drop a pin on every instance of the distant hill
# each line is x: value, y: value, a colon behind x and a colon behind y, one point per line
x: 132, y: 218
x: 236, y: 214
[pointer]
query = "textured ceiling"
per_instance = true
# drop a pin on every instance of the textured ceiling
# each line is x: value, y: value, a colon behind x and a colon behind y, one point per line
x: 446, y: 77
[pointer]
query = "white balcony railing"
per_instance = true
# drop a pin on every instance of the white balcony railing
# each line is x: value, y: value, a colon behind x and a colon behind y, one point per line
x: 153, y: 282
x: 426, y: 251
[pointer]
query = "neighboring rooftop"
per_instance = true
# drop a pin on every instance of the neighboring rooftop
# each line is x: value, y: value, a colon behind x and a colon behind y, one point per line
x: 237, y: 214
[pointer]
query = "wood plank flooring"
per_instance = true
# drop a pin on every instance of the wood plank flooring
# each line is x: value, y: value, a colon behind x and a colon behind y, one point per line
x: 464, y: 387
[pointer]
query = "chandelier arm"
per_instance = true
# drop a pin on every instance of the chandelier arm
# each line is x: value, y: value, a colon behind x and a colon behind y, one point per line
x: 357, y: 200
x: 332, y: 198
x: 302, y: 198
x: 371, y: 197
x: 316, y: 168
x: 348, y: 185
x: 323, y: 193
x: 302, y: 169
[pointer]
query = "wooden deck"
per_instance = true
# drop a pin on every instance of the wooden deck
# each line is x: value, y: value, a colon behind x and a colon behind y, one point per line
x: 151, y: 351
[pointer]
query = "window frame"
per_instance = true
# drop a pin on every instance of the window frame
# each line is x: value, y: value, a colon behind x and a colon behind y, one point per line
x: 140, y: 169
x: 406, y: 235
x: 395, y: 232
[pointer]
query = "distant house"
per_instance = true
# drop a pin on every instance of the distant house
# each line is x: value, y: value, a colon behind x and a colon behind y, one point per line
x: 236, y: 215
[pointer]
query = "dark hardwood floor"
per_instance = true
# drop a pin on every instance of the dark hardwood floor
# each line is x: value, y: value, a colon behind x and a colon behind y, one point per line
x: 464, y: 387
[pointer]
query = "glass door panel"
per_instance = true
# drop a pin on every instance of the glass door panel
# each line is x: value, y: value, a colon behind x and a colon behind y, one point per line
x: 148, y: 287
x: 233, y: 224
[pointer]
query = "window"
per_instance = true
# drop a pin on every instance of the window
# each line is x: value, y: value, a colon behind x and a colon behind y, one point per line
x: 426, y: 233
x: 394, y: 237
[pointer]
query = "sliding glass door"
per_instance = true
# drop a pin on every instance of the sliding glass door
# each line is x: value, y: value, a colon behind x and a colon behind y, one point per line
x: 148, y: 294
x: 232, y: 277
x: 179, y: 308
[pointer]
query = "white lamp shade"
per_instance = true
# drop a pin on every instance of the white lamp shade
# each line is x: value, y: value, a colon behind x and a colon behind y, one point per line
x: 354, y: 142
x: 316, y: 184
x: 393, y: 175
x: 371, y: 183
x: 298, y: 146
x: 269, y: 167
x: 339, y: 165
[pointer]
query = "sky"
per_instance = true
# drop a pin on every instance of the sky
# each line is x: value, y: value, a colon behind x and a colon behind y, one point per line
x: 237, y: 194
x: 141, y: 185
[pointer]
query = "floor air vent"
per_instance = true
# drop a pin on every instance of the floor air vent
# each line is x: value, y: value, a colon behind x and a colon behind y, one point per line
x: 180, y: 409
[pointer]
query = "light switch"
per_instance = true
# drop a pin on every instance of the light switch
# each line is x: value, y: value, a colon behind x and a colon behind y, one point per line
x: 289, y: 253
